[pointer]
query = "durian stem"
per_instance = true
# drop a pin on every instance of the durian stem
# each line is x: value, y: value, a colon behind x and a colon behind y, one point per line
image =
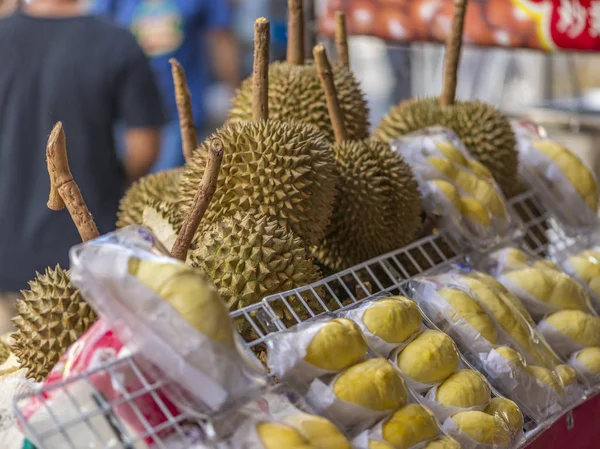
x: 333, y: 105
x: 295, y: 45
x: 260, y: 75
x: 184, y: 108
x: 63, y: 188
x: 341, y: 39
x: 453, y: 45
x: 208, y: 186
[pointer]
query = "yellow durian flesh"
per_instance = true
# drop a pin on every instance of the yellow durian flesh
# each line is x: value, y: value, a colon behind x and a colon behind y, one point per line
x: 483, y: 191
x: 469, y: 309
x: 444, y: 166
x: 574, y: 170
x: 474, y: 211
x: 452, y: 153
x: 443, y: 442
x: 190, y: 293
x: 449, y: 191
x: 430, y: 358
x: 410, y: 425
x: 585, y: 267
x: 590, y: 358
x: 374, y: 384
x: 579, y: 326
x: 465, y: 388
x: 277, y: 436
x: 566, y: 374
x: 511, y: 355
x: 337, y: 345
x: 483, y: 428
x: 545, y: 264
x: 595, y: 286
x: 512, y: 257
x: 480, y: 170
x: 320, y: 432
x: 394, y: 319
x: 545, y: 376
x: 374, y: 444
x: 508, y: 412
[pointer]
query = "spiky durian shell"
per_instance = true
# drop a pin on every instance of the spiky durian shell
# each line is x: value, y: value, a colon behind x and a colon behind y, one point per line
x: 163, y: 218
x: 295, y: 93
x: 282, y: 169
x: 484, y: 131
x: 378, y: 208
x: 51, y: 316
x: 249, y: 257
x: 161, y: 186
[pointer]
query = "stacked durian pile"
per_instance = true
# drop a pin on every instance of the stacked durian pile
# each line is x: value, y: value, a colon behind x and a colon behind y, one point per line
x: 559, y: 304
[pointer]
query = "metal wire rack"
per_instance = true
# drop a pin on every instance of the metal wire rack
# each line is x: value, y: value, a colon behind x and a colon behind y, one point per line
x: 96, y: 417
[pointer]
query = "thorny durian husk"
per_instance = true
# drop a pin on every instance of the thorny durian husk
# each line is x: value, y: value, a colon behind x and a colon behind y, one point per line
x: 162, y: 186
x: 163, y: 218
x: 284, y: 170
x: 51, y: 316
x: 295, y: 94
x: 378, y: 208
x: 484, y: 131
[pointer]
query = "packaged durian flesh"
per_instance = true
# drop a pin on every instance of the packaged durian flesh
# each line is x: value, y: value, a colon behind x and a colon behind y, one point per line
x: 458, y: 190
x: 388, y: 322
x: 587, y: 362
x: 566, y: 186
x: 582, y: 261
x: 170, y: 312
x: 478, y: 430
x: 360, y: 395
x: 315, y: 348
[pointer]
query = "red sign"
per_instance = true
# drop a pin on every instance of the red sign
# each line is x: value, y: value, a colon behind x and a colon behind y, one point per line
x: 548, y: 25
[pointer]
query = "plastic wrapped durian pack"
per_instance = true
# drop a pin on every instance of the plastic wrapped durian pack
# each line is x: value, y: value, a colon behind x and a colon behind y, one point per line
x: 389, y: 380
x: 496, y: 334
x: 456, y: 189
x: 567, y: 187
x: 558, y: 304
x: 582, y: 261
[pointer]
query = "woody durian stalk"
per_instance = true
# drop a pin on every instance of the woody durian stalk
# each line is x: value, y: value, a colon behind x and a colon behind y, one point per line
x: 295, y: 92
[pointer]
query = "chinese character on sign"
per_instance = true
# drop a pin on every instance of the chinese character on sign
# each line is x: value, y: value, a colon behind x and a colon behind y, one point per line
x: 572, y: 18
x: 595, y: 18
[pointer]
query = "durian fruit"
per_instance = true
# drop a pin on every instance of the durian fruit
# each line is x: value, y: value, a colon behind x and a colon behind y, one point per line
x: 480, y: 170
x: 545, y: 376
x: 375, y: 444
x: 9, y: 362
x: 566, y: 374
x: 410, y: 425
x: 508, y: 412
x: 511, y: 258
x: 579, y: 326
x: 483, y: 428
x: 52, y: 313
x: 374, y: 384
x: 586, y: 266
x: 482, y: 191
x: 452, y: 153
x: 468, y: 309
x: 378, y: 208
x: 511, y: 355
x: 445, y: 166
x: 393, y: 319
x: 545, y: 264
x: 338, y: 345
x: 580, y: 177
x: 443, y: 442
x: 464, y: 388
x: 295, y: 92
x: 590, y: 359
x: 276, y: 436
x: 551, y: 286
x: 449, y: 191
x: 277, y: 168
x: 190, y: 293
x: 249, y: 257
x: 485, y: 132
x: 320, y: 432
x: 430, y: 358
x: 474, y: 211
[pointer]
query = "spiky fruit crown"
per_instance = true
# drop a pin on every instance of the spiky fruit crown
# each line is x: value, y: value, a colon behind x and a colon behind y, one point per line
x: 378, y: 207
x: 485, y: 132
x: 281, y: 169
x: 162, y: 186
x: 249, y: 257
x: 295, y: 93
x: 51, y: 316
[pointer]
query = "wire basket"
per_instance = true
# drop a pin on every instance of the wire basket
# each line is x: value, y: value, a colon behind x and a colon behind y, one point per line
x: 93, y: 418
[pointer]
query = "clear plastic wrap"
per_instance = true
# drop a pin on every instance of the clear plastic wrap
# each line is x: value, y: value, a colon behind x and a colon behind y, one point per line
x: 582, y: 261
x: 566, y: 186
x: 170, y: 314
x: 456, y: 188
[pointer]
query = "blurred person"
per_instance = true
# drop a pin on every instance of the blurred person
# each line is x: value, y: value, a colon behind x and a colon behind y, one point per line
x: 60, y: 65
x: 197, y: 33
x: 8, y: 6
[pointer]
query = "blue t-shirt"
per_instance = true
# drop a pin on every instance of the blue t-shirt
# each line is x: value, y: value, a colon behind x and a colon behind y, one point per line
x: 173, y: 29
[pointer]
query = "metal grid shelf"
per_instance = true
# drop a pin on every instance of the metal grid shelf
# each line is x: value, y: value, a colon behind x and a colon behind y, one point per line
x: 93, y: 415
